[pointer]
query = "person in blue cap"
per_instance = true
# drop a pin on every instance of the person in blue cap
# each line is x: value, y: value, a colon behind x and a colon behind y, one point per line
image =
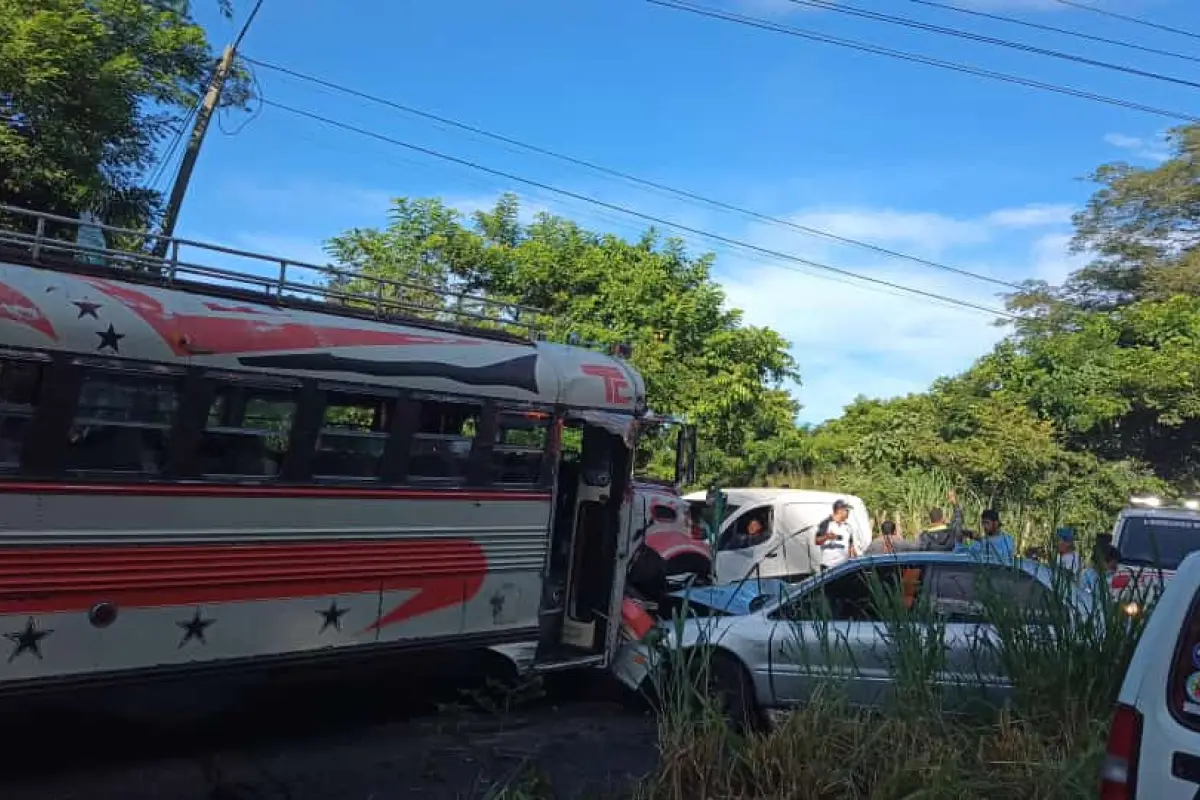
x: 1068, y: 558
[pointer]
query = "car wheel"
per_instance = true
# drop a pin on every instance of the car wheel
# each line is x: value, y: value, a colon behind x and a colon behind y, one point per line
x: 729, y: 688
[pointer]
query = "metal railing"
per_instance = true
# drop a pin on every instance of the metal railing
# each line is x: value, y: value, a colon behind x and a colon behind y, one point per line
x: 52, y: 241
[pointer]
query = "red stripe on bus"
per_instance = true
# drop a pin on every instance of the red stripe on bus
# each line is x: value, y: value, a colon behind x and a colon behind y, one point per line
x: 44, y: 580
x: 212, y: 490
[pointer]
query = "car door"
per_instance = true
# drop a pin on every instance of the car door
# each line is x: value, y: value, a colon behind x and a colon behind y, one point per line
x: 739, y: 557
x: 961, y: 595
x: 836, y: 633
x: 797, y: 525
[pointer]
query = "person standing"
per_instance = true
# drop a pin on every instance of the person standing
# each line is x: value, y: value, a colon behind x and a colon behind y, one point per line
x: 995, y: 542
x: 1068, y: 558
x: 889, y: 541
x: 833, y: 536
x: 940, y: 536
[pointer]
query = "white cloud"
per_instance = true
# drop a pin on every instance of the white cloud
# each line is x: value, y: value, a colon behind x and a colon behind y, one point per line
x: 1034, y: 215
x: 1052, y: 259
x: 928, y: 232
x: 853, y: 339
x: 850, y: 341
x: 1145, y: 148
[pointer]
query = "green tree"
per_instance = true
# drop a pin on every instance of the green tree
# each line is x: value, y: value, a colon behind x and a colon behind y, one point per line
x: 87, y: 89
x: 699, y: 358
x: 1110, y: 356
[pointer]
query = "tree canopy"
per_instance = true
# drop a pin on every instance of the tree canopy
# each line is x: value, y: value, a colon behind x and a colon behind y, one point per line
x: 87, y: 90
x: 698, y: 358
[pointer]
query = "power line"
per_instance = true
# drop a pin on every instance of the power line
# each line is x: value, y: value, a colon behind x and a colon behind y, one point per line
x: 1053, y: 29
x: 1135, y: 20
x: 628, y: 177
x: 168, y: 155
x: 246, y: 25
x: 908, y: 22
x: 651, y: 218
x: 801, y: 33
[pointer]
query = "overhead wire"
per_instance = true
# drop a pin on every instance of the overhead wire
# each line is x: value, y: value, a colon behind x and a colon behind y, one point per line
x: 1127, y: 18
x: 754, y: 22
x: 168, y: 155
x: 654, y: 219
x: 256, y: 92
x: 1054, y: 29
x: 625, y: 225
x: 629, y: 177
x: 908, y: 22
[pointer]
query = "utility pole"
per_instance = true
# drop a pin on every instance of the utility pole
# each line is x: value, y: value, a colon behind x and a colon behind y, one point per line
x: 203, y: 117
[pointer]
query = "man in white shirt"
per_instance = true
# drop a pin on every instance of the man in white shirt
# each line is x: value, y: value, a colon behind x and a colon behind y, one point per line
x: 833, y: 536
x: 1068, y: 558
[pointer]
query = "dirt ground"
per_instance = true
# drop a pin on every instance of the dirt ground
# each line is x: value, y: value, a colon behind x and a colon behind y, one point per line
x: 348, y: 738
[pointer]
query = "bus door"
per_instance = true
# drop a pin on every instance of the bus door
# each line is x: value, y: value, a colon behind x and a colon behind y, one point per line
x: 584, y: 580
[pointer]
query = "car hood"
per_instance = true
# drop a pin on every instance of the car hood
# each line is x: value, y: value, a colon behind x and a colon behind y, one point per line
x: 736, y: 599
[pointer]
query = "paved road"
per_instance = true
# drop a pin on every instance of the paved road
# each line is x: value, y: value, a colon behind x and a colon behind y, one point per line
x: 332, y: 737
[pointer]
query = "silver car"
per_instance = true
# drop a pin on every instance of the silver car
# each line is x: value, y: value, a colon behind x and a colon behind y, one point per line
x: 772, y: 644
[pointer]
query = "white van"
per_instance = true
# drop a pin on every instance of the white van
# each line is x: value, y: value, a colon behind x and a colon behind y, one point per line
x: 791, y: 517
x: 1154, y: 742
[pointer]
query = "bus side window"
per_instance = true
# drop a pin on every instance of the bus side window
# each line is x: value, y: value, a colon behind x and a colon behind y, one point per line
x: 247, y: 431
x: 441, y: 446
x: 122, y: 423
x: 20, y: 391
x: 353, y: 436
x: 521, y: 440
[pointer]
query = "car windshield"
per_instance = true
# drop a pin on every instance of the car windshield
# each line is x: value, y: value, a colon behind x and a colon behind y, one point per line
x: 1161, y: 543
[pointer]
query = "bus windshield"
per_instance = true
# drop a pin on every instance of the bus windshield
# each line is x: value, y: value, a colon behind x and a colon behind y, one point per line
x: 1158, y: 543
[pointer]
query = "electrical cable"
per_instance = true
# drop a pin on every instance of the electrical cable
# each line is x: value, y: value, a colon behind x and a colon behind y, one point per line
x: 908, y: 22
x: 1054, y: 29
x: 169, y: 154
x: 656, y: 220
x: 1135, y: 20
x: 902, y: 55
x: 628, y: 177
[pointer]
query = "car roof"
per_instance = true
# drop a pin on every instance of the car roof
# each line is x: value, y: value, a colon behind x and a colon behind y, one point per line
x: 1034, y: 568
x: 744, y: 495
x: 1159, y: 513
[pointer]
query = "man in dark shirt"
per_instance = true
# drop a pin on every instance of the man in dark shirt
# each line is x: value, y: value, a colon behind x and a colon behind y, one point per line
x: 939, y: 536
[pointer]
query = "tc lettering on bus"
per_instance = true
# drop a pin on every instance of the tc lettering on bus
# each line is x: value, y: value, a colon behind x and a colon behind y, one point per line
x: 615, y: 382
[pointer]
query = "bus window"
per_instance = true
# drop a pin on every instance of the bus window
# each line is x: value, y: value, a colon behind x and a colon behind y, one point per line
x: 520, y: 446
x: 20, y: 387
x: 122, y: 423
x: 353, y: 436
x: 247, y: 432
x: 442, y: 443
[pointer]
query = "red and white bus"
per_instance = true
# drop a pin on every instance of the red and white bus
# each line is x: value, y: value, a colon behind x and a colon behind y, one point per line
x: 201, y: 469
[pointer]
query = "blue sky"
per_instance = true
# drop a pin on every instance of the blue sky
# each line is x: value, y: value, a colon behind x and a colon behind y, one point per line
x: 962, y: 170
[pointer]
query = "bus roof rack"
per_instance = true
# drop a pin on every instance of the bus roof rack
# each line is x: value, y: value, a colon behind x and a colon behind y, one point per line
x: 54, y: 242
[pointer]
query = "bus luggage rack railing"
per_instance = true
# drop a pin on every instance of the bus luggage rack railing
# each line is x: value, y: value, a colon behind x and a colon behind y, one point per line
x: 51, y: 240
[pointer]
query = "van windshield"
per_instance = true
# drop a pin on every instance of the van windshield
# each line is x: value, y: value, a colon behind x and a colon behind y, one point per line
x: 1159, y: 543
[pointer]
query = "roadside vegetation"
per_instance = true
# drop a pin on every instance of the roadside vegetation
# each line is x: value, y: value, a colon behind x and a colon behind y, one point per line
x: 927, y: 739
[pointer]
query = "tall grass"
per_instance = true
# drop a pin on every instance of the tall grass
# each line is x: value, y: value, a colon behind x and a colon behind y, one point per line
x: 939, y: 730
